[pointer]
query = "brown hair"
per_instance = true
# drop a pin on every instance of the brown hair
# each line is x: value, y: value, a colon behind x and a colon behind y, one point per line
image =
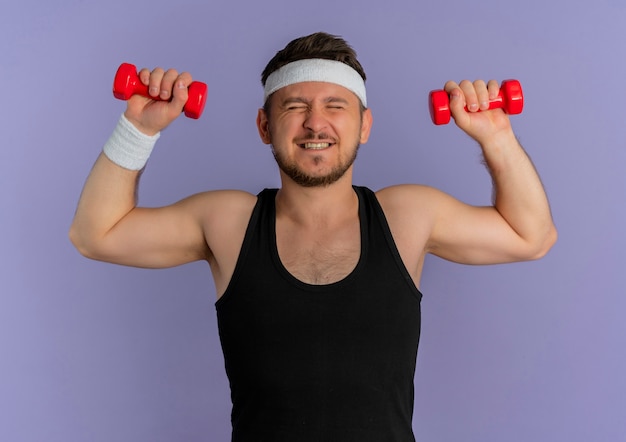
x: 318, y: 45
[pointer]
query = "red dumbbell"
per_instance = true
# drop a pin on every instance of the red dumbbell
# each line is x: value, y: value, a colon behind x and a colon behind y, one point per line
x: 510, y: 98
x: 127, y: 83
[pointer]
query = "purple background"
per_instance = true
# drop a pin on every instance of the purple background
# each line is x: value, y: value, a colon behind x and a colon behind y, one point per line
x: 97, y: 352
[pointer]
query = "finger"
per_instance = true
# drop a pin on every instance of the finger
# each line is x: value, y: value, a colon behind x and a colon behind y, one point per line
x: 180, y: 92
x: 154, y: 85
x: 144, y: 76
x: 167, y: 83
x: 456, y: 94
x: 471, y: 100
x: 494, y: 89
x: 457, y: 102
x: 450, y: 86
x: 482, y: 94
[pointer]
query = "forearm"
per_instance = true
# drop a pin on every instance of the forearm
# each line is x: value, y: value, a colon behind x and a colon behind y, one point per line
x: 519, y: 195
x: 110, y: 192
x: 108, y: 196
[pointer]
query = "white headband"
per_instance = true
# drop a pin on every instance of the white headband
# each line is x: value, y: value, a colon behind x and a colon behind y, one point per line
x: 315, y: 69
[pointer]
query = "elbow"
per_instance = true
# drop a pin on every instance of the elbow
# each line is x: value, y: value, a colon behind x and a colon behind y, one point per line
x: 82, y: 244
x: 78, y: 242
x: 543, y: 246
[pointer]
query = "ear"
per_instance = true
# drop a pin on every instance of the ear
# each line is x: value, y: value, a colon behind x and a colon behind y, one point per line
x: 263, y: 126
x: 366, y: 125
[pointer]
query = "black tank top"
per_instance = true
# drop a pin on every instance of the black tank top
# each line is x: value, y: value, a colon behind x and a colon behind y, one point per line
x: 323, y: 363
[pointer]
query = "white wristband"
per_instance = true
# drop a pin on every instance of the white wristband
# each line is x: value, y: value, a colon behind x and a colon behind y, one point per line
x: 128, y: 147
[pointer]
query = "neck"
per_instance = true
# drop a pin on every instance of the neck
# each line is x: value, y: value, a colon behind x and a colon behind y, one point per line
x: 317, y: 206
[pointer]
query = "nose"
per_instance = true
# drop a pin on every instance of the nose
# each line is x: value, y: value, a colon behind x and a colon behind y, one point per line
x: 315, y: 120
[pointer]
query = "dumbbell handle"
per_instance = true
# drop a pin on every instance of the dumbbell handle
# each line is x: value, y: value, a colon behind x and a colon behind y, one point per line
x: 127, y: 83
x: 510, y: 99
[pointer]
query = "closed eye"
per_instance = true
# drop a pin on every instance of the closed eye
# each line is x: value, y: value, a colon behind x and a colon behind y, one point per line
x: 295, y: 104
x: 336, y: 103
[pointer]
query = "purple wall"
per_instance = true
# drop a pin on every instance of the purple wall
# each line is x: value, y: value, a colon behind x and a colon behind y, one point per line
x: 97, y: 352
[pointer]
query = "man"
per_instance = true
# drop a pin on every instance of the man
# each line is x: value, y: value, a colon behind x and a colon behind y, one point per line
x: 317, y: 282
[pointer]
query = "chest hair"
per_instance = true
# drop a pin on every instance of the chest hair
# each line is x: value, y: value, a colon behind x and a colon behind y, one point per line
x: 321, y: 256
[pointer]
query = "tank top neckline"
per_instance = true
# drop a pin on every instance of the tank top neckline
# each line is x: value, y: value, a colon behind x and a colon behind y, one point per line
x: 354, y: 273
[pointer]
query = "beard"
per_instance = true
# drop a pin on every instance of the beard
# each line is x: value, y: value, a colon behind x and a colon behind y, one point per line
x: 299, y: 176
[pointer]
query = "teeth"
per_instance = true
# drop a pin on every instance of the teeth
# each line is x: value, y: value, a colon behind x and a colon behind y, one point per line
x: 316, y: 145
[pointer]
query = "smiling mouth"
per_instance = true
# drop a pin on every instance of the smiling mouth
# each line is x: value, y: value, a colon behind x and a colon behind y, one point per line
x: 315, y: 146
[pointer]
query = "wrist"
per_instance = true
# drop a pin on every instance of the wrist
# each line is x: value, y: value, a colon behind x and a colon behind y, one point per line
x: 498, y: 141
x: 502, y: 153
x: 128, y: 147
x: 139, y: 126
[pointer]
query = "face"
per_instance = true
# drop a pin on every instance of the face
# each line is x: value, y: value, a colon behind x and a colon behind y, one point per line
x: 315, y: 130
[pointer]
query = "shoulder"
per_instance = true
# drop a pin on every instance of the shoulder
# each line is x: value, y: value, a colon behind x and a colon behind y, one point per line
x: 223, y: 216
x: 217, y: 203
x: 219, y: 212
x: 407, y: 198
x: 411, y: 213
x: 413, y: 208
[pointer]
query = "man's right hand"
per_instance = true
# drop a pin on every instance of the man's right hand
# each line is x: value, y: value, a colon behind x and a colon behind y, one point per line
x: 151, y: 116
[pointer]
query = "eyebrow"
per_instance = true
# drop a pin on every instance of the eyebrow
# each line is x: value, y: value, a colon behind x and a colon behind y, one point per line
x: 330, y: 99
x: 291, y: 100
x: 336, y: 100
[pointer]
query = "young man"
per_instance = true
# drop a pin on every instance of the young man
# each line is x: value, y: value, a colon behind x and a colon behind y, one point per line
x: 317, y: 282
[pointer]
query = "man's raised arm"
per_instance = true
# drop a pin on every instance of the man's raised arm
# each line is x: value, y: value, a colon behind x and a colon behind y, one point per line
x: 108, y: 225
x: 519, y: 225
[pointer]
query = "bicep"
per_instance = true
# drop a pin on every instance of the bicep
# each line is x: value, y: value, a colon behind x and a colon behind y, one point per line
x: 157, y: 237
x: 472, y: 235
x: 426, y: 220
